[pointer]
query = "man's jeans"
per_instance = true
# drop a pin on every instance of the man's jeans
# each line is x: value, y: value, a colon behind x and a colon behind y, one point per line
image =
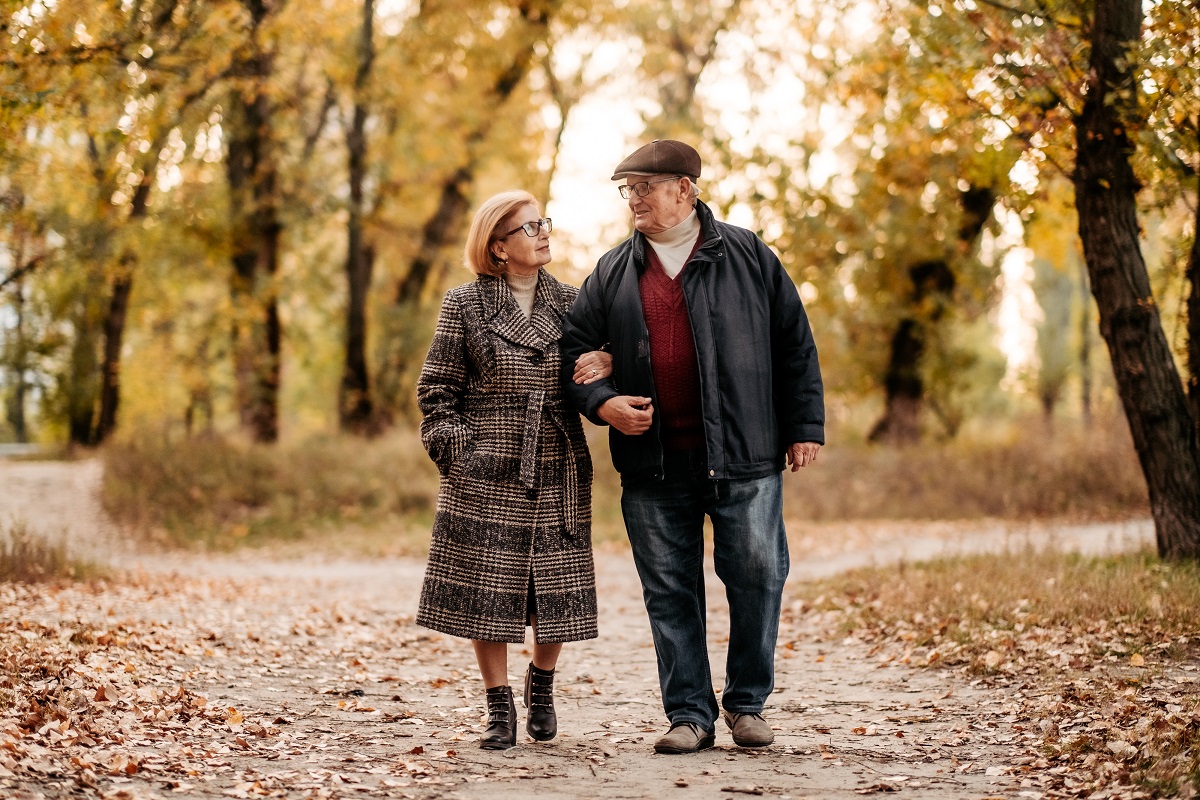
x: 665, y: 521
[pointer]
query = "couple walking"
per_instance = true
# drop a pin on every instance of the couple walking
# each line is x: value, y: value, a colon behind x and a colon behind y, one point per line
x: 690, y: 342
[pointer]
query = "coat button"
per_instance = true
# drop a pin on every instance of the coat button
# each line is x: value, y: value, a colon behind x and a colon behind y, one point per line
x: 712, y: 473
x: 536, y: 358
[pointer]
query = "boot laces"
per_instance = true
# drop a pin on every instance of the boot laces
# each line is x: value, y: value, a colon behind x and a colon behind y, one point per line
x: 541, y: 691
x: 497, y: 709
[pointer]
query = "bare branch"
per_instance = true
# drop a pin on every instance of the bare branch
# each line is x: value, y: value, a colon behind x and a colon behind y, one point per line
x: 23, y: 270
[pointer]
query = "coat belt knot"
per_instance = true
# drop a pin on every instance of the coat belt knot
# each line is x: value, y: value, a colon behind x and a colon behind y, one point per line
x: 539, y: 402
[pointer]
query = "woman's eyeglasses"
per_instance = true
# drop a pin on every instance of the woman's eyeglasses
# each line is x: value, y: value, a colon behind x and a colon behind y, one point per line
x: 531, y: 228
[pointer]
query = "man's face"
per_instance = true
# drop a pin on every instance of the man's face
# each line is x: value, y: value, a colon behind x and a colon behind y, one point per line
x: 667, y: 202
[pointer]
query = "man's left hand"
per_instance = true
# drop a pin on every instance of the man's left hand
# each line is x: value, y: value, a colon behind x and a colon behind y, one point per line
x: 801, y: 454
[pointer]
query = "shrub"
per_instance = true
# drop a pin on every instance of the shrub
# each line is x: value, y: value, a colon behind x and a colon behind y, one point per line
x: 28, y: 558
x: 220, y: 492
x: 1019, y: 471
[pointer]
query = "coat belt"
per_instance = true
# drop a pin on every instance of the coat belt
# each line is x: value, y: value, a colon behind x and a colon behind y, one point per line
x: 535, y: 404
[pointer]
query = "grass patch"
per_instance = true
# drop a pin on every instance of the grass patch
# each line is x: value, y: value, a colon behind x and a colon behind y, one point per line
x: 1021, y: 470
x: 379, y: 495
x: 28, y: 558
x: 1097, y: 654
x: 221, y: 493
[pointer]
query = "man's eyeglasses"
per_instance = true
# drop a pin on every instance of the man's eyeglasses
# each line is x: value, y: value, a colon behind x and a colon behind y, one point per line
x: 531, y: 228
x: 643, y: 188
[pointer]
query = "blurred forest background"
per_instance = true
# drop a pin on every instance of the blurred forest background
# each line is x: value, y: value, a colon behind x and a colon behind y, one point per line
x: 226, y: 225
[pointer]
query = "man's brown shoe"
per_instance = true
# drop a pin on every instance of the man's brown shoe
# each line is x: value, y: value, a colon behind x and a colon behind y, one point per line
x: 684, y: 737
x: 749, y: 730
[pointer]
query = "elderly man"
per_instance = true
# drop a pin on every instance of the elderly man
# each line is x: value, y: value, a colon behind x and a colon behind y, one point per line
x: 715, y: 388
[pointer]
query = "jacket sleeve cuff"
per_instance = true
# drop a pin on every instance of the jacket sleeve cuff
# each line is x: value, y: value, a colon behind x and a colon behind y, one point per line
x: 599, y: 395
x: 807, y: 432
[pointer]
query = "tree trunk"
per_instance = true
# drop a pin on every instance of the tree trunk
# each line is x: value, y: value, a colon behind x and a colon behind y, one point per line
x: 82, y: 386
x: 255, y: 233
x: 1147, y: 379
x: 904, y: 388
x: 84, y: 383
x: 17, y: 365
x: 114, y: 332
x: 1085, y: 345
x: 355, y: 406
x: 1193, y: 328
x: 438, y: 232
x: 120, y: 291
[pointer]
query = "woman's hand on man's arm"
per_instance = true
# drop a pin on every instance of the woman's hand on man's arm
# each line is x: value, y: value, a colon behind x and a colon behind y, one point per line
x: 592, y: 366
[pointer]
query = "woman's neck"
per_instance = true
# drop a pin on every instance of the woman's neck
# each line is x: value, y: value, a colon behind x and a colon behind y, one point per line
x: 523, y: 286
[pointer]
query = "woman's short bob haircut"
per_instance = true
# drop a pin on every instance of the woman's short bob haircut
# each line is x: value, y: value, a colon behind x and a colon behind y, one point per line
x: 485, y: 229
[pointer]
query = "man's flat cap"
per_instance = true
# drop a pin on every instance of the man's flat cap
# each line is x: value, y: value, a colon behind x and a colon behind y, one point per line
x: 661, y: 157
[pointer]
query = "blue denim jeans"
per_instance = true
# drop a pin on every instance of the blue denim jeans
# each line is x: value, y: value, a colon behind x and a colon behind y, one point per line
x: 665, y: 522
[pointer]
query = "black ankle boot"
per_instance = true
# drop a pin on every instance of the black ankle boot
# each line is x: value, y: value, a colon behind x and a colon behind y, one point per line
x: 542, y: 724
x: 501, y: 732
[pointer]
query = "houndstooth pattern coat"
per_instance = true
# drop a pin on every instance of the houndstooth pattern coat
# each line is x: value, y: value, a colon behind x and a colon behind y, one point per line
x: 513, y: 513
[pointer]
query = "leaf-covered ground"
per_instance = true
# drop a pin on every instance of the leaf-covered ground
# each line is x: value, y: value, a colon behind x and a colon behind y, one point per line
x: 252, y: 676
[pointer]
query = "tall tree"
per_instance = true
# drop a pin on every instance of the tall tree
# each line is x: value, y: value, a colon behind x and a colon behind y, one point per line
x: 117, y: 78
x: 255, y: 228
x: 355, y: 404
x: 1064, y: 83
x: 933, y: 282
x: 1164, y: 432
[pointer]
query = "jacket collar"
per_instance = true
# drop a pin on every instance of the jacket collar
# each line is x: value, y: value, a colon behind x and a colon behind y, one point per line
x: 708, y: 235
x: 502, y: 316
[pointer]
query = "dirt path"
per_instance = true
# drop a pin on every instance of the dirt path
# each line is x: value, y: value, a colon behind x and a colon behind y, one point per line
x: 328, y: 689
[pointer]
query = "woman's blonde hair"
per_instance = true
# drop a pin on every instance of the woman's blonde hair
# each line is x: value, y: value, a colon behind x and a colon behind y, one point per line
x: 485, y: 229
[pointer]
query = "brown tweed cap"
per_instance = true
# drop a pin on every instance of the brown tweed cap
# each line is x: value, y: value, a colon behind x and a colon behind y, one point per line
x: 660, y: 157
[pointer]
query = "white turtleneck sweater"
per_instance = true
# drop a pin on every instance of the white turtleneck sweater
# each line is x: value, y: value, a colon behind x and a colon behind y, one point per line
x: 674, y: 245
x: 523, y: 288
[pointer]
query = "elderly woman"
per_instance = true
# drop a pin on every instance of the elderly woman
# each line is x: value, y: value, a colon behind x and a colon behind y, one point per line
x: 512, y: 533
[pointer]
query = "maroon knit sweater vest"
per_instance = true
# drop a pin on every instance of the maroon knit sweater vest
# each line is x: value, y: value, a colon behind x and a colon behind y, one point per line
x: 672, y: 356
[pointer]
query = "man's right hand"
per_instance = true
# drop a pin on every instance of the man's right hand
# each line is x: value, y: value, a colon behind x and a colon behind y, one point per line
x: 630, y: 415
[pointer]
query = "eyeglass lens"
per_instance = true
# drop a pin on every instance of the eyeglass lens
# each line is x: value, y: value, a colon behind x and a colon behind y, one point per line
x: 642, y: 188
x: 531, y: 228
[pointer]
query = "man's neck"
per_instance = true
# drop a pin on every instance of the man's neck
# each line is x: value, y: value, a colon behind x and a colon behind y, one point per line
x: 683, y: 232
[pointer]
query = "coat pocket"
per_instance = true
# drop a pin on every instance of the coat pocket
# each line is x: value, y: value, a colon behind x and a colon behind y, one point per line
x: 455, y: 470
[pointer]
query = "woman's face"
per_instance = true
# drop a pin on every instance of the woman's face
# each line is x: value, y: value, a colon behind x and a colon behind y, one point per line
x: 525, y: 254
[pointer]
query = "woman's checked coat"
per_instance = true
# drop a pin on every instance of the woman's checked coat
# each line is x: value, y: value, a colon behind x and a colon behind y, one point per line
x: 514, y: 507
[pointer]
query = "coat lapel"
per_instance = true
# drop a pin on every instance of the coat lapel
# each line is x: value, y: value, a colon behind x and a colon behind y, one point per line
x: 504, y: 318
x: 548, y: 310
